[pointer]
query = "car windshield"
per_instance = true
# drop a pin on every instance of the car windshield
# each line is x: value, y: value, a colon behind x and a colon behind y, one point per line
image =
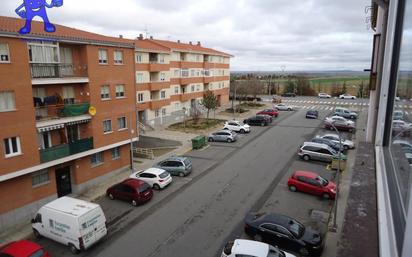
x: 144, y: 187
x: 273, y: 252
x: 296, y: 228
x: 164, y: 174
x: 333, y: 151
x: 187, y: 162
x: 322, y: 181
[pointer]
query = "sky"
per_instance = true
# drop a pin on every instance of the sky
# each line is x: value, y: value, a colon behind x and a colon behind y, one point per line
x: 263, y: 35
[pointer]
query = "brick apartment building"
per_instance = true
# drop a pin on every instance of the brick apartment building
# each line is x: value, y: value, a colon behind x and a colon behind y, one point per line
x: 69, y: 104
x: 171, y: 76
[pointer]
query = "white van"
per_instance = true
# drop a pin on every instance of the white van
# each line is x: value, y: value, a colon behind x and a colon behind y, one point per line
x: 72, y: 222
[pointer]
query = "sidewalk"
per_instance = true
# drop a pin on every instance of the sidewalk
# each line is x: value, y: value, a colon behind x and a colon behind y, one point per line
x: 92, y: 194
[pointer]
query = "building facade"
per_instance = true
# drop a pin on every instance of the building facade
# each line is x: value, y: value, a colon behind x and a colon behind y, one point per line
x: 71, y: 102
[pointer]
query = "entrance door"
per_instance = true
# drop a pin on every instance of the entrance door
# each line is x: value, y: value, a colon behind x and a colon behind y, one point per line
x: 142, y: 116
x: 63, y: 181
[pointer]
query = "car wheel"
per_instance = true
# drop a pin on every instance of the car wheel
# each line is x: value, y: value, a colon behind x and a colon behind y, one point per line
x: 111, y: 197
x: 181, y: 174
x: 262, y: 124
x: 304, y: 251
x: 210, y: 139
x: 350, y: 130
x: 293, y: 188
x: 345, y: 147
x: 258, y: 238
x: 352, y: 117
x: 242, y: 131
x: 289, y: 109
x: 326, y: 196
x: 36, y: 233
x: 225, y: 129
x: 73, y: 249
x: 306, y: 157
x: 229, y: 140
x: 134, y: 203
x: 353, y: 97
x: 156, y: 186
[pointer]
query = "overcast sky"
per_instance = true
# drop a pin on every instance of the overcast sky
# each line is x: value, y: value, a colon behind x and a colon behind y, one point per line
x: 263, y: 35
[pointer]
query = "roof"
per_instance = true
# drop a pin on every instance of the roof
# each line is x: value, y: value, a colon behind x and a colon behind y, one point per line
x: 155, y: 171
x: 133, y: 182
x: 10, y: 27
x: 249, y: 247
x: 20, y: 248
x: 308, y: 174
x: 149, y: 45
x: 72, y: 206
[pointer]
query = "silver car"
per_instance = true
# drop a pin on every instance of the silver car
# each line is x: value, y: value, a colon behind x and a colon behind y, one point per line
x: 223, y: 135
x: 176, y: 165
x: 320, y: 152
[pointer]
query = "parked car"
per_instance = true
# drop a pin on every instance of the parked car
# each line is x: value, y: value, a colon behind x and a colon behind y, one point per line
x: 267, y: 117
x: 312, y: 114
x: 223, y: 136
x: 345, y: 113
x: 284, y: 232
x: 347, y: 96
x: 346, y: 143
x: 84, y: 227
x: 237, y: 126
x: 397, y: 98
x: 334, y: 145
x: 270, y: 112
x: 312, y: 183
x: 398, y: 115
x: 340, y: 123
x: 400, y: 127
x: 324, y: 95
x: 315, y: 151
x: 176, y: 165
x: 403, y: 144
x: 289, y: 94
x: 257, y: 121
x: 283, y: 107
x: 131, y: 190
x: 249, y: 248
x: 155, y: 177
x: 23, y: 248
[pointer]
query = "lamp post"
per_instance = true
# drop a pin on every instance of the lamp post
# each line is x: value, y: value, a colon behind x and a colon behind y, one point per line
x: 184, y: 119
x: 335, y: 226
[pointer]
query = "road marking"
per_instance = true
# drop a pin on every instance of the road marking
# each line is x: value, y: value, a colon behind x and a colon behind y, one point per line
x: 330, y: 108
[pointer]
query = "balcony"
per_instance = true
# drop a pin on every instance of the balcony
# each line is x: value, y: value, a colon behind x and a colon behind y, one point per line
x: 57, y: 73
x: 61, y: 151
x: 155, y: 66
x: 57, y: 111
x: 188, y: 96
x: 190, y: 80
x: 159, y: 85
x: 157, y: 104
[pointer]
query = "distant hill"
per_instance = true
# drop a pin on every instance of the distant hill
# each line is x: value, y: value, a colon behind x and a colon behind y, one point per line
x: 310, y: 73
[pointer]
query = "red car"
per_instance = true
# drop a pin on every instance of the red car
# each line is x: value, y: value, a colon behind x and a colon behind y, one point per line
x: 312, y: 183
x: 23, y: 248
x: 131, y: 190
x: 270, y: 112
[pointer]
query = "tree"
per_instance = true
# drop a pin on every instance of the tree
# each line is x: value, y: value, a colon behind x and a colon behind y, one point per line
x: 209, y: 102
x: 303, y: 86
x: 254, y: 87
x: 290, y: 86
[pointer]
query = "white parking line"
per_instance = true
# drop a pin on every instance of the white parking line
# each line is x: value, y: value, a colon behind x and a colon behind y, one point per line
x: 330, y: 108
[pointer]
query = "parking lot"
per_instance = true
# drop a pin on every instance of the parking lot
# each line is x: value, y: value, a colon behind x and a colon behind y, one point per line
x: 228, y: 180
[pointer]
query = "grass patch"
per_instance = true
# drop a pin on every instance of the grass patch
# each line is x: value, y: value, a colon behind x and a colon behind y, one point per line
x: 200, y: 124
x: 237, y: 109
x: 250, y: 105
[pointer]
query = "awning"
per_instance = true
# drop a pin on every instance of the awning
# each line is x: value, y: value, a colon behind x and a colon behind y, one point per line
x: 48, y: 125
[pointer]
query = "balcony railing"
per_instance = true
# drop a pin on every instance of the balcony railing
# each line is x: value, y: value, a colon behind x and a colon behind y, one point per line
x: 56, y: 111
x: 61, y: 151
x: 54, y: 70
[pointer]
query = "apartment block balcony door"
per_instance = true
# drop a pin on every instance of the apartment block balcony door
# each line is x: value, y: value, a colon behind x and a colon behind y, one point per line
x: 44, y: 140
x: 63, y: 181
x: 73, y: 133
x: 142, y: 117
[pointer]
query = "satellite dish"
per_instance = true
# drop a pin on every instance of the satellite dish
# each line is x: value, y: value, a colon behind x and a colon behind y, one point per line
x: 92, y: 110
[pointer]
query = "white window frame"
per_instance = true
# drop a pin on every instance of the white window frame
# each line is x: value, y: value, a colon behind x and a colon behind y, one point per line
x: 8, y: 144
x: 157, y: 113
x: 119, y: 123
x: 115, y: 153
x: 104, y: 126
x: 162, y: 76
x: 176, y: 73
x: 103, y: 60
x: 103, y: 92
x: 40, y: 178
x: 192, y: 88
x: 162, y: 94
x: 138, y: 58
x: 198, y: 87
x: 140, y: 97
x: 118, y: 57
x: 120, y: 92
x: 10, y: 104
x: 184, y: 73
x: 176, y: 90
x: 97, y: 161
x: 164, y: 112
x: 5, y: 54
x: 192, y: 73
x: 138, y: 74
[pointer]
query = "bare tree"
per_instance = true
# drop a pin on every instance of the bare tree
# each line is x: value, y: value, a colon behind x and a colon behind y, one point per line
x: 255, y: 87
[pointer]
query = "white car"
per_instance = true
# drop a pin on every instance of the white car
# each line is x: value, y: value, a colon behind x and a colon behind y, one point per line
x: 324, y: 95
x: 243, y: 247
x: 347, y: 96
x: 155, y: 177
x: 283, y: 107
x: 237, y: 126
x: 347, y: 144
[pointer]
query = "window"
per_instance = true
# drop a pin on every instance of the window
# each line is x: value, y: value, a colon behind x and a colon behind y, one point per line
x: 176, y: 73
x: 163, y: 111
x: 157, y: 113
x: 118, y: 57
x: 162, y: 94
x: 105, y: 92
x: 44, y: 52
x: 107, y: 126
x: 7, y: 101
x: 12, y: 146
x: 192, y: 88
x: 161, y: 58
x: 115, y: 153
x: 197, y: 57
x: 185, y: 73
x: 139, y: 77
x: 40, y: 177
x: 192, y: 73
x: 122, y: 123
x: 140, y: 97
x: 68, y: 95
x: 4, y: 53
x: 197, y: 87
x: 138, y: 58
x: 162, y: 76
x: 119, y: 91
x: 102, y: 56
x: 176, y: 89
x: 96, y: 159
